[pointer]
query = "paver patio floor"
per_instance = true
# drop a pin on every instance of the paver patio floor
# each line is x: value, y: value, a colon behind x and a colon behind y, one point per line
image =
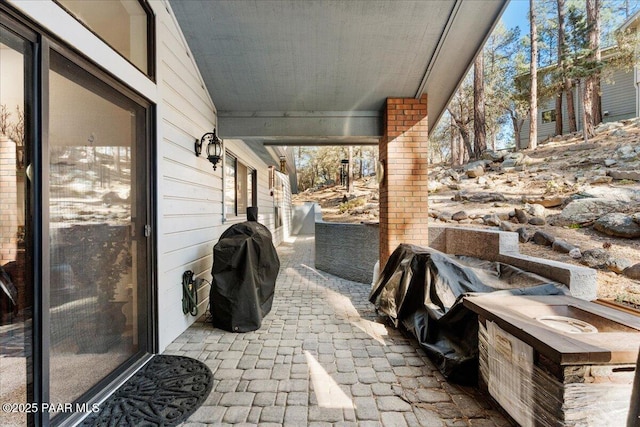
x: 323, y: 357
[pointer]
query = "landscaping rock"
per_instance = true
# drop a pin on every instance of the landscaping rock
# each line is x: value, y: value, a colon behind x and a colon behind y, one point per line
x: 575, y: 253
x: 480, y: 197
x: 507, y: 226
x: 626, y: 152
x: 618, y: 174
x: 601, y: 179
x: 492, y: 220
x: 633, y: 272
x: 453, y: 174
x: 620, y: 133
x: 610, y: 162
x: 636, y: 217
x: 475, y: 169
x: 562, y: 246
x: 521, y: 216
x: 618, y: 265
x: 512, y: 160
x: 584, y: 211
x: 619, y: 225
x: 542, y: 238
x: 433, y: 186
x: 535, y: 210
x: 547, y: 202
x: 595, y: 258
x: 537, y: 221
x: 494, y: 156
x: 626, y: 194
x: 458, y: 216
x: 523, y: 235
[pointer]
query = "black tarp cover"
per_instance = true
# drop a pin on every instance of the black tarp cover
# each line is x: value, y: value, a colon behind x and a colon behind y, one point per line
x: 421, y: 289
x: 245, y: 268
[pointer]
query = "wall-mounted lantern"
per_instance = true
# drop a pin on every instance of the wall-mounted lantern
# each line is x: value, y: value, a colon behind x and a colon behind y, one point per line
x: 283, y: 164
x: 214, y: 147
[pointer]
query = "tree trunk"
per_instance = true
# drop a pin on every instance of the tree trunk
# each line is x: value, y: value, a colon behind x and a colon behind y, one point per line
x: 571, y: 109
x: 561, y: 42
x: 462, y: 126
x: 593, y: 21
x: 455, y: 152
x: 589, y: 99
x: 479, y: 121
x: 517, y: 127
x: 350, y: 171
x: 533, y: 71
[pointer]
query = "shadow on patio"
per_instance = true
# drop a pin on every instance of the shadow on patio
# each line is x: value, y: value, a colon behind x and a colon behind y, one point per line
x: 322, y: 357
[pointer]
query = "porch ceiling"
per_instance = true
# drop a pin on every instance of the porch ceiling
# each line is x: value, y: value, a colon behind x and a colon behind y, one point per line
x: 319, y: 71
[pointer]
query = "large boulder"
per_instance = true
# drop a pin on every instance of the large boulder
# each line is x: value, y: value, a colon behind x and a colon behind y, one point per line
x: 621, y: 174
x: 618, y: 225
x: 633, y: 272
x: 583, y: 211
x: 512, y: 160
x: 475, y: 169
x: 494, y: 156
x: 536, y: 210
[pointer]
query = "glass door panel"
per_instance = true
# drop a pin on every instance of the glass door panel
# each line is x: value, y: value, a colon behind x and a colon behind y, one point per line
x: 97, y: 211
x: 16, y: 243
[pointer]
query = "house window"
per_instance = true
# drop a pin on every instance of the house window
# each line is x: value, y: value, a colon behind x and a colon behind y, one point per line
x: 240, y: 186
x: 548, y: 116
x: 126, y: 25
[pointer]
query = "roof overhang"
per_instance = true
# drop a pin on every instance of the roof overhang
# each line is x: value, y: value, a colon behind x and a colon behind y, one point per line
x: 319, y: 71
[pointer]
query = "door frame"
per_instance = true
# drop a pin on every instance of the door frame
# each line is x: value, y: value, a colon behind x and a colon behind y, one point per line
x: 37, y: 149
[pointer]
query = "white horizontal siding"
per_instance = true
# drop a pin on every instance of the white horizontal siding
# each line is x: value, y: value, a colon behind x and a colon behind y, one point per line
x: 618, y: 98
x: 190, y: 192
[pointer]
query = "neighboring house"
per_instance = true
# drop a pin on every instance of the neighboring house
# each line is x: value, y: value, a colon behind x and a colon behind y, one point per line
x: 103, y: 202
x: 620, y: 98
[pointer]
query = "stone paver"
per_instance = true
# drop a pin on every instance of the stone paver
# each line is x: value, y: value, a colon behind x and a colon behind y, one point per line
x: 323, y: 358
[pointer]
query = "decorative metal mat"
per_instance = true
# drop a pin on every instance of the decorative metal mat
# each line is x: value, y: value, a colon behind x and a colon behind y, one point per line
x: 165, y: 392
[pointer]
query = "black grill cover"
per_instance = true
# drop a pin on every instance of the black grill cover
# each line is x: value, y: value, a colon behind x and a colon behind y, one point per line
x: 245, y: 268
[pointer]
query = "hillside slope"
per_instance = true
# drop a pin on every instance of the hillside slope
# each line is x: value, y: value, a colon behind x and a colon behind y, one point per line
x: 582, y: 195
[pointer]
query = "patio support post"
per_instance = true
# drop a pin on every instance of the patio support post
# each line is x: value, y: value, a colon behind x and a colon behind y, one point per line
x: 403, y: 151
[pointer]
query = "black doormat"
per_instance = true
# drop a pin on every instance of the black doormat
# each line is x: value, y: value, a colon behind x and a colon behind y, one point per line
x: 165, y: 392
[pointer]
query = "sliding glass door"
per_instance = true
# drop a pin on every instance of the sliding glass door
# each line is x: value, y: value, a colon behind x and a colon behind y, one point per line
x: 97, y: 214
x: 16, y: 242
x: 75, y: 217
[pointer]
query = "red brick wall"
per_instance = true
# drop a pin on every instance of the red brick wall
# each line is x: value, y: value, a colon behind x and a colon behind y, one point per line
x: 404, y: 209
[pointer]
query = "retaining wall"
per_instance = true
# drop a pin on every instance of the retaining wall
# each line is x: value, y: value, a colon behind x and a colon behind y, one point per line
x: 349, y: 251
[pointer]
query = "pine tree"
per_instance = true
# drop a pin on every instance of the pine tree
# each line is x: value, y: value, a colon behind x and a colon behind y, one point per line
x: 533, y: 75
x: 479, y: 122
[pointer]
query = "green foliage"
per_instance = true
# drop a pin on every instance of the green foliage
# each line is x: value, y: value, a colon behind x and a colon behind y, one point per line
x: 575, y: 226
x: 351, y: 204
x: 626, y: 182
x: 628, y: 299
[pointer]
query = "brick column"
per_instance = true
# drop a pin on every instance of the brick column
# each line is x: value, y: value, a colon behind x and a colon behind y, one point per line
x: 404, y: 209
